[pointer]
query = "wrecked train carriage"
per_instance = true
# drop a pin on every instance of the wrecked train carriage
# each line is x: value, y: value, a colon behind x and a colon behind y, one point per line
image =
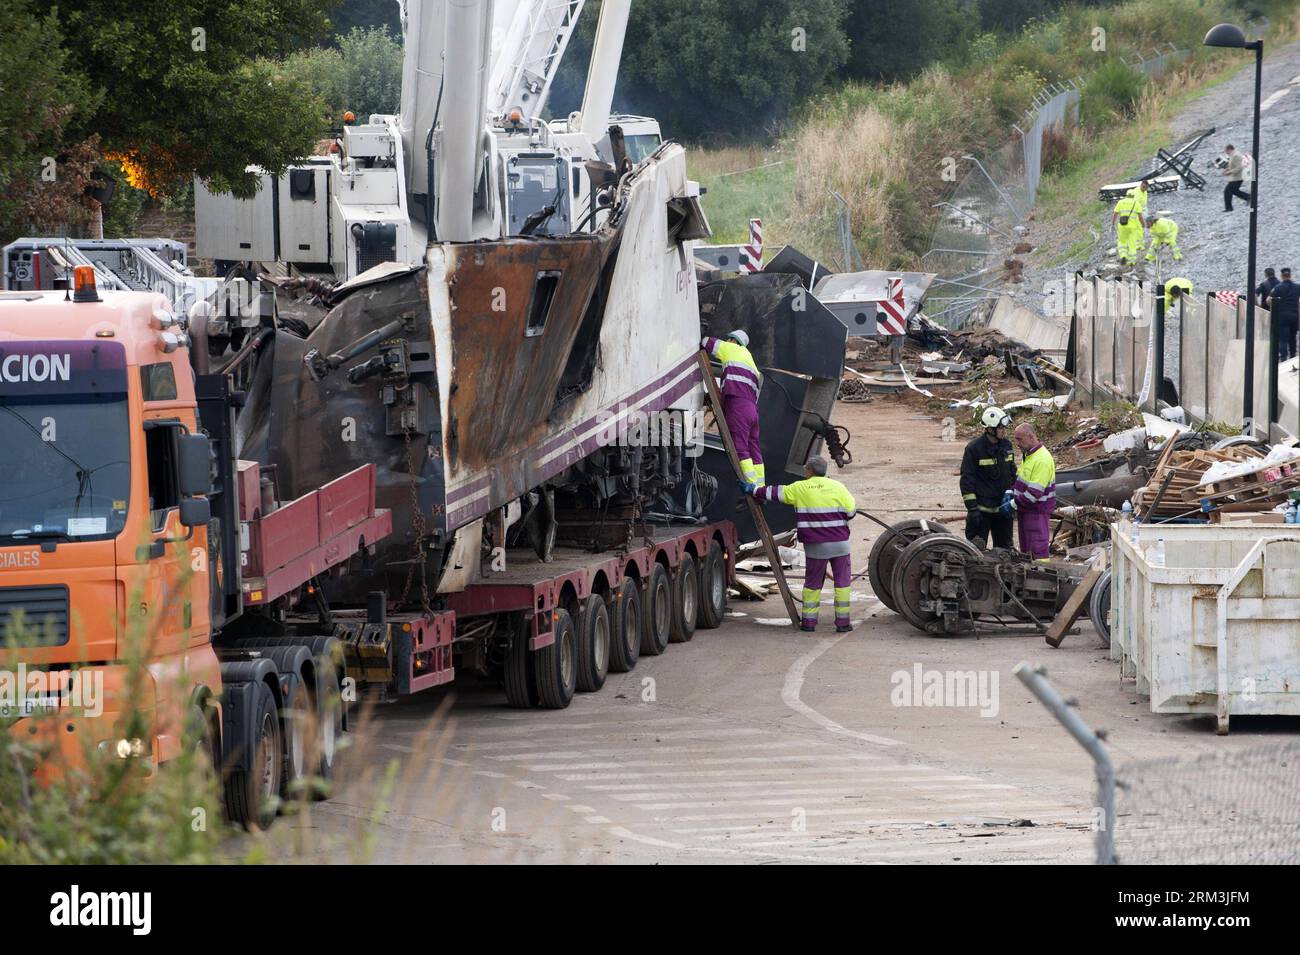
x: 490, y: 371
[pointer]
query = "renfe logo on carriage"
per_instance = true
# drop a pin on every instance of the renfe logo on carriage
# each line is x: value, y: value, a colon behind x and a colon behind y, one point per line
x: 38, y: 367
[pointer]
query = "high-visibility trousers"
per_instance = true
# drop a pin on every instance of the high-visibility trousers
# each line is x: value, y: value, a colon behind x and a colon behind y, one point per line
x: 1035, y: 533
x: 742, y: 420
x: 1169, y: 238
x: 815, y: 575
x: 1130, y: 240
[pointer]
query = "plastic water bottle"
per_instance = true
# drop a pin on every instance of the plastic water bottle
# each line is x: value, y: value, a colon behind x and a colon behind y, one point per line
x: 1127, y: 511
x: 1158, y: 553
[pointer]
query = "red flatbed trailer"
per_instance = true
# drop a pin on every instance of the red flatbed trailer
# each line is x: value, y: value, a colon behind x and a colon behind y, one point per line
x: 548, y: 628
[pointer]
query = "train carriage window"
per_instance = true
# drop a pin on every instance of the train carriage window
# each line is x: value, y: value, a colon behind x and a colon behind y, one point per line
x: 686, y: 220
x: 539, y: 307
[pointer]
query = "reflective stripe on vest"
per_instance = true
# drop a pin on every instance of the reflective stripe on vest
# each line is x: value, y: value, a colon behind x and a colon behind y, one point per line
x: 823, y: 507
x: 739, y: 371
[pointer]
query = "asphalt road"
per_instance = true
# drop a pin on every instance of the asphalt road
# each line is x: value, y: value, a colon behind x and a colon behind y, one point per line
x: 756, y: 744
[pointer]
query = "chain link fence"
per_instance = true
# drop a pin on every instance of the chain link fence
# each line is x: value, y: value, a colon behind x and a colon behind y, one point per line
x: 977, y: 223
x: 1216, y: 808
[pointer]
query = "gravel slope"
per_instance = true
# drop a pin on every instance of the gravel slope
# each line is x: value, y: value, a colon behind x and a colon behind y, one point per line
x: 1213, y: 242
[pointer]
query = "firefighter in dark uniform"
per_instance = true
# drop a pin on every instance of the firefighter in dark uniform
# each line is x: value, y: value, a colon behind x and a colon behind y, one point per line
x: 988, y: 469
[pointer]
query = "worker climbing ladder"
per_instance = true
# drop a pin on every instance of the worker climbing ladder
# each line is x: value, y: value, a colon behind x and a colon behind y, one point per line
x: 755, y: 509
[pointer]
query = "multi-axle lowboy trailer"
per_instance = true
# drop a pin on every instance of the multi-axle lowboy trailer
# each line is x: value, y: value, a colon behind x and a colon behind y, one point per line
x: 127, y: 514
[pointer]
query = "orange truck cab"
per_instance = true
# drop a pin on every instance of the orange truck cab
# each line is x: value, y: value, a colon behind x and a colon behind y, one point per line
x: 123, y: 534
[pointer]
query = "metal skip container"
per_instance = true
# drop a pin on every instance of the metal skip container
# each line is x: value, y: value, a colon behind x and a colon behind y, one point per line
x: 1214, y: 627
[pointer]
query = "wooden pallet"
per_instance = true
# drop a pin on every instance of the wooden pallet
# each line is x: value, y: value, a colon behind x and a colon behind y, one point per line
x: 1183, y: 470
x: 1246, y: 489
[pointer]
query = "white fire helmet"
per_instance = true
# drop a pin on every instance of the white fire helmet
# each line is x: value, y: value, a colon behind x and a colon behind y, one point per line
x: 995, y: 418
x: 740, y: 337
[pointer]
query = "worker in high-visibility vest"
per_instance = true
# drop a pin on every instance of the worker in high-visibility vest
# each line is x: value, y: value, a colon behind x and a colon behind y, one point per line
x: 1033, y: 496
x: 1176, y: 289
x: 1163, y: 232
x: 1127, y: 220
x: 823, y: 507
x: 741, y: 382
x: 1140, y: 193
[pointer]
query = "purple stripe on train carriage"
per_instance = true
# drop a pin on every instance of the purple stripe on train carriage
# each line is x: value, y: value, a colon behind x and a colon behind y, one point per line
x: 624, y: 402
x: 468, y: 511
x: 474, y: 484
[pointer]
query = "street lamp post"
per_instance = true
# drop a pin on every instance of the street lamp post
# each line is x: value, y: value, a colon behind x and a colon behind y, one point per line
x: 1230, y: 36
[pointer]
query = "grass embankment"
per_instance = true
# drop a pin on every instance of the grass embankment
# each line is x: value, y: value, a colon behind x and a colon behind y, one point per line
x: 886, y: 149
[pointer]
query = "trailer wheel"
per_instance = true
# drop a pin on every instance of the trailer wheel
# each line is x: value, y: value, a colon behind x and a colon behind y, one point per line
x: 251, y: 793
x: 298, y: 722
x: 521, y: 689
x: 593, y: 646
x: 713, y: 589
x: 686, y: 600
x: 625, y: 643
x: 658, y: 624
x: 329, y: 718
x: 556, y: 666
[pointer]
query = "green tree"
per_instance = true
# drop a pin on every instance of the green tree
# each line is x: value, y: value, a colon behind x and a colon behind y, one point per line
x: 714, y: 67
x: 364, y: 74
x: 935, y: 30
x: 43, y: 172
x: 1010, y: 15
x: 184, y: 92
x: 351, y: 14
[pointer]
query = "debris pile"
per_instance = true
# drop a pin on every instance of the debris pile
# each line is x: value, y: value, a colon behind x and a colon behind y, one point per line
x: 1208, y: 483
x: 937, y: 360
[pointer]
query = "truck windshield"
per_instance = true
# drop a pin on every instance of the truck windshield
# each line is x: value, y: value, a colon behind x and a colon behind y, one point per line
x: 65, y: 468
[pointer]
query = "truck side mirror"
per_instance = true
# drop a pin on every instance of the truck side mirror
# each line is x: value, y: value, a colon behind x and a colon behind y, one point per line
x: 194, y: 461
x: 195, y: 511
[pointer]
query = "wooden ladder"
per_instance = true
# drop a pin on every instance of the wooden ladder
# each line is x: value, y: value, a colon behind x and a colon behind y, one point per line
x: 755, y: 509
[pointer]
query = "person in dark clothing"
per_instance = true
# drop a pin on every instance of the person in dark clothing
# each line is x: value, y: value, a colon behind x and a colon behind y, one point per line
x: 988, y: 469
x: 1266, y: 286
x: 1284, y: 303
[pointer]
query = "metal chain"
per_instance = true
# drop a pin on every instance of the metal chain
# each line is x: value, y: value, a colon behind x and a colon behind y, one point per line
x: 421, y: 532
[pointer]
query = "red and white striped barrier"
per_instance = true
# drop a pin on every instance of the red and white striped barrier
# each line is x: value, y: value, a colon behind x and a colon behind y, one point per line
x: 752, y: 260
x: 891, y: 311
